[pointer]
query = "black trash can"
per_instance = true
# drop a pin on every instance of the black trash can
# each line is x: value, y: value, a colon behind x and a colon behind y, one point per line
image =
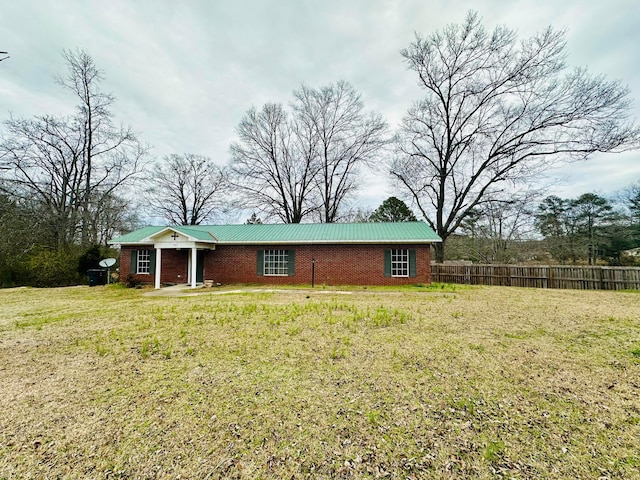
x: 97, y: 276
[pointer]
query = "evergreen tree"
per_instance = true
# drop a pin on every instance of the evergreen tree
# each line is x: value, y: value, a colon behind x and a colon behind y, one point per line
x: 393, y: 210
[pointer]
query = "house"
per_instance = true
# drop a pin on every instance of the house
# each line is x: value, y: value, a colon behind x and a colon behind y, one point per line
x: 329, y: 253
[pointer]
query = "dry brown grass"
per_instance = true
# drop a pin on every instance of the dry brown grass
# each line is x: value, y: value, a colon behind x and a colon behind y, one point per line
x: 414, y: 383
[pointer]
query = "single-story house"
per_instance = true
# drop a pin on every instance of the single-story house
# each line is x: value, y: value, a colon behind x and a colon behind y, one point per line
x: 329, y: 253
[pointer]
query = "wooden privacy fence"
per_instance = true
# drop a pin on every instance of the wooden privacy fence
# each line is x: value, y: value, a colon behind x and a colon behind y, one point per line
x: 540, y: 276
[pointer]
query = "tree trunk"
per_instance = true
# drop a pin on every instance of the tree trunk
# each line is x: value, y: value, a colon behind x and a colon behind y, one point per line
x: 439, y: 251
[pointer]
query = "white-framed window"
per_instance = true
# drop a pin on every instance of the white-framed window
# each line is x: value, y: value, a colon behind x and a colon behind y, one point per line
x: 399, y: 262
x: 276, y: 262
x: 144, y: 261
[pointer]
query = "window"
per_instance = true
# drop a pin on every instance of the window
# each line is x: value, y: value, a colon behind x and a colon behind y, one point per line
x: 276, y: 262
x: 399, y: 262
x: 144, y: 261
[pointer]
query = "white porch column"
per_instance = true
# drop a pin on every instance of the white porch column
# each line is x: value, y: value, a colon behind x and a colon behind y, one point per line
x: 194, y: 266
x: 158, y: 264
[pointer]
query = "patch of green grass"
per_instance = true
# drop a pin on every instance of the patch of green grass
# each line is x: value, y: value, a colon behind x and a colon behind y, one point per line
x: 478, y: 348
x: 493, y: 450
x: 338, y: 353
x: 150, y: 346
x: 39, y: 320
x: 374, y: 417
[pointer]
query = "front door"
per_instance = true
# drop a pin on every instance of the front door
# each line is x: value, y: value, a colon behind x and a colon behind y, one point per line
x: 200, y: 267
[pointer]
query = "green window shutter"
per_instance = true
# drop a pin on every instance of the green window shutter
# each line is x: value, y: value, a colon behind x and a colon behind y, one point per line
x: 292, y: 262
x: 152, y: 261
x: 133, y: 269
x: 412, y: 264
x: 387, y: 263
x: 260, y: 266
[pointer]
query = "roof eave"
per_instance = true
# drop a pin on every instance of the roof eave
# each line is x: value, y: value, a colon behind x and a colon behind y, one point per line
x: 147, y: 242
x: 115, y: 242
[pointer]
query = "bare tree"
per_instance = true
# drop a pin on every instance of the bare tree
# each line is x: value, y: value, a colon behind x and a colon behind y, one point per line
x: 113, y: 216
x: 292, y: 166
x: 345, y: 137
x: 44, y: 167
x: 71, y: 167
x: 186, y: 189
x: 18, y: 236
x: 110, y: 154
x: 273, y: 166
x: 495, y: 114
x: 4, y: 58
x: 497, y: 227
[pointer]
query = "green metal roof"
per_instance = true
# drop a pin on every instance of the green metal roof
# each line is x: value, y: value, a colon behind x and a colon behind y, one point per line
x: 296, y: 233
x: 137, y: 235
x: 199, y: 233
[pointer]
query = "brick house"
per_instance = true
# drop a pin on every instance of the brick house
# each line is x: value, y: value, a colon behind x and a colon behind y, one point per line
x: 331, y: 254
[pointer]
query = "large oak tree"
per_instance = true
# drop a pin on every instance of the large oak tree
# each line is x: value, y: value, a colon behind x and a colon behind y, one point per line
x: 293, y: 165
x: 496, y: 112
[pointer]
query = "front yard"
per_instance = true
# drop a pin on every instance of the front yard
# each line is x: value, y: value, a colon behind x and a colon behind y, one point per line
x: 422, y: 382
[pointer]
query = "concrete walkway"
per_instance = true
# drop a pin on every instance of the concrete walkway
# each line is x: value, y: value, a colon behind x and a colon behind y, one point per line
x: 185, y: 290
x: 179, y: 290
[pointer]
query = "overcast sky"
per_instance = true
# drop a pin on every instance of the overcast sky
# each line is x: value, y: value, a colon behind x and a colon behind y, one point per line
x: 184, y: 72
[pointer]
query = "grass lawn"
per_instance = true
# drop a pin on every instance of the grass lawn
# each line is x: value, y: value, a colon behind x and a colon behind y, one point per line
x: 417, y: 382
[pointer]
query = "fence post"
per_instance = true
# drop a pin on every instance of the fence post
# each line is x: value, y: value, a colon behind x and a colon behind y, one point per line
x: 601, y: 279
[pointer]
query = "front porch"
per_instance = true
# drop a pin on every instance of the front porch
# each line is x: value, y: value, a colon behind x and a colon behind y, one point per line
x: 195, y: 267
x: 170, y: 246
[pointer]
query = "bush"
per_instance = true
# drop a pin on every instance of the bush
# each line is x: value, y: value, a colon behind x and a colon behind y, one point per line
x: 89, y: 259
x: 131, y: 281
x: 49, y: 268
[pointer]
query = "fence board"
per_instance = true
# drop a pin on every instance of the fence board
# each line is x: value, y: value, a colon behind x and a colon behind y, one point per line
x: 540, y: 276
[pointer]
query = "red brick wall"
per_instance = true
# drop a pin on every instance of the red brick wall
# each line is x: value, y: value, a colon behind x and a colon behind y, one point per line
x: 175, y: 266
x: 335, y: 265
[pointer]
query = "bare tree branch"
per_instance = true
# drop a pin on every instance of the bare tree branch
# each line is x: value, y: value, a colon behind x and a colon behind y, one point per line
x: 187, y: 189
x: 347, y: 138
